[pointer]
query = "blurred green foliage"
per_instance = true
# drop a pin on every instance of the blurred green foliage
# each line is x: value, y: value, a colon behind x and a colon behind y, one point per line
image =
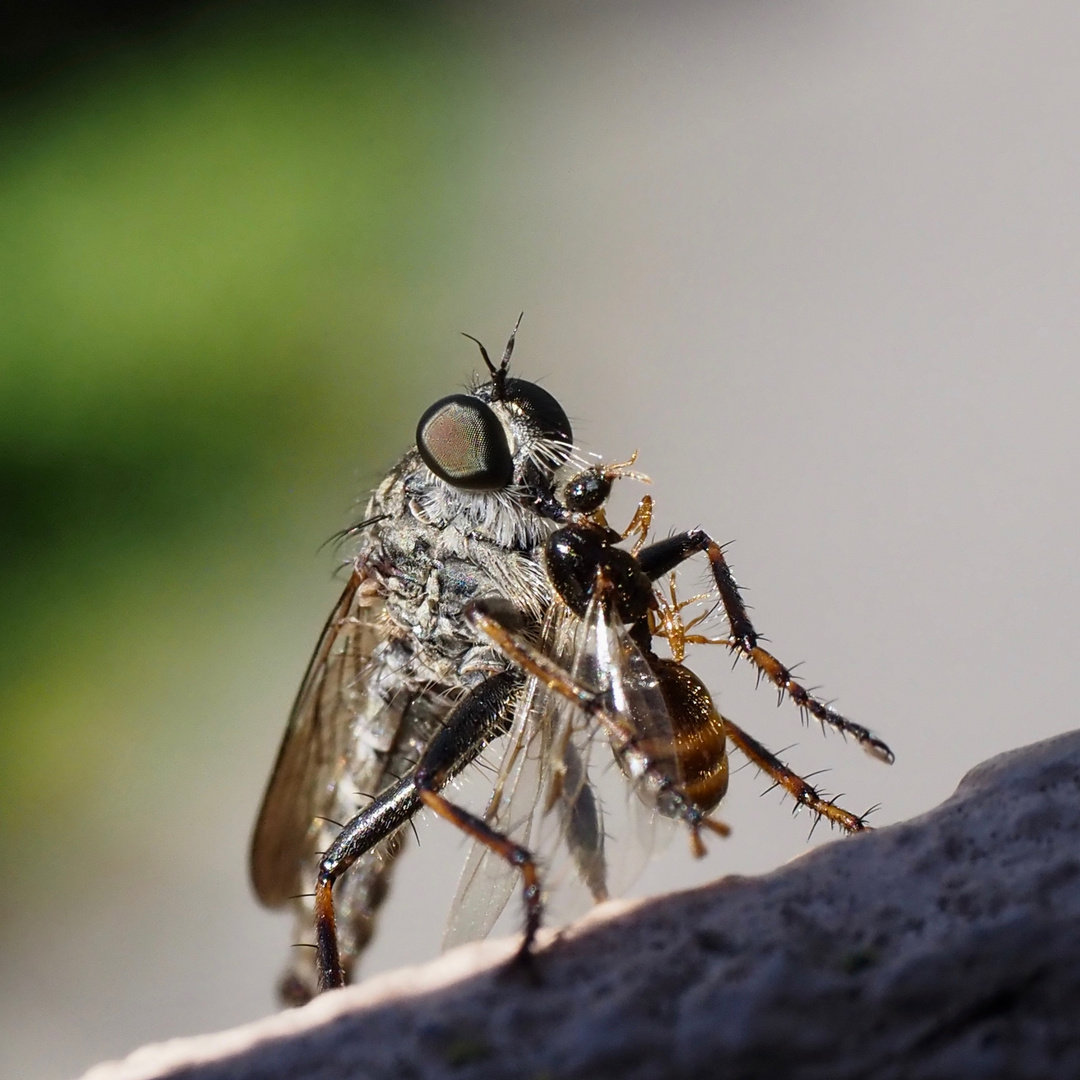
x: 212, y: 250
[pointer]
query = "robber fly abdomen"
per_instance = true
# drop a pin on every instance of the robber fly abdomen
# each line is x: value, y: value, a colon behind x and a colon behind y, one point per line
x: 486, y: 601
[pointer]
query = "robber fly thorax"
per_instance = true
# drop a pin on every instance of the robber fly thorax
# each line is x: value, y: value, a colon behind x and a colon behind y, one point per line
x: 490, y: 597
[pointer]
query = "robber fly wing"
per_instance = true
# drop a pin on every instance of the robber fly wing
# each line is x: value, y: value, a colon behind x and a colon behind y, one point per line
x: 315, y: 748
x: 571, y: 831
x: 487, y: 881
x: 553, y: 810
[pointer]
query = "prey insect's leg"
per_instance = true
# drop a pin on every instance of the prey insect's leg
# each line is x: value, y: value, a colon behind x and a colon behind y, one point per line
x: 495, y: 619
x: 662, y: 557
x: 640, y: 523
x: 802, y: 792
x: 472, y: 724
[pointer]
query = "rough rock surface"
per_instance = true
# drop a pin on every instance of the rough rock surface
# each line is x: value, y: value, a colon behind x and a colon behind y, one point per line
x: 947, y: 946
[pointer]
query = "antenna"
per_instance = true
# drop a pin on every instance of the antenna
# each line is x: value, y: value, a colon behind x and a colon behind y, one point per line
x: 498, y: 374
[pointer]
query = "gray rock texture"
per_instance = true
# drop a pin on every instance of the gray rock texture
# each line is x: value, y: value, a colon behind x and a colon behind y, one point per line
x: 947, y: 946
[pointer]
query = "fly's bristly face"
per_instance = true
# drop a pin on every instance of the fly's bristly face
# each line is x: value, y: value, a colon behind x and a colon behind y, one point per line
x: 490, y: 602
x: 490, y: 454
x: 497, y: 439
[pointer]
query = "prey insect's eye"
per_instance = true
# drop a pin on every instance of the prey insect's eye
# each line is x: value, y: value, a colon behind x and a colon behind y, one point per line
x: 463, y: 443
x: 543, y: 412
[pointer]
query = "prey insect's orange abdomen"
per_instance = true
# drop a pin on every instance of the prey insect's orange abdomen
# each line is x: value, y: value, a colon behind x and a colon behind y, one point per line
x: 700, y: 742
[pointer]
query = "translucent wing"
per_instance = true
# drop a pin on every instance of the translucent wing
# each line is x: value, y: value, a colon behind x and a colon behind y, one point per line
x: 487, y: 882
x: 605, y: 807
x: 570, y: 829
x: 617, y: 667
x: 561, y: 793
x: 320, y: 742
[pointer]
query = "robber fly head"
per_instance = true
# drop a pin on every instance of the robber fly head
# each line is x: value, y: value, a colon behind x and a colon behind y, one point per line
x: 502, y: 434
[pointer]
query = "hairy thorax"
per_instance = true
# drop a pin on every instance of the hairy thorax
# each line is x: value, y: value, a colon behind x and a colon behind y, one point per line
x: 434, y: 550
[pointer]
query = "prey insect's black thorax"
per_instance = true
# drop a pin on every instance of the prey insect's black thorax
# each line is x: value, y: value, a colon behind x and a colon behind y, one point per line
x: 576, y: 555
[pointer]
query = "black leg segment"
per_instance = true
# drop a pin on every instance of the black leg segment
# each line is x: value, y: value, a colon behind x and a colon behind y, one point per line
x: 664, y: 556
x: 477, y: 719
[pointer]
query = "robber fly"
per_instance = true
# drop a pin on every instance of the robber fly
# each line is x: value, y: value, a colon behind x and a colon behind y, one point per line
x: 489, y: 598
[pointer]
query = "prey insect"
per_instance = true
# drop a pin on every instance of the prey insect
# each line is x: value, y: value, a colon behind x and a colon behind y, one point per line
x: 489, y: 599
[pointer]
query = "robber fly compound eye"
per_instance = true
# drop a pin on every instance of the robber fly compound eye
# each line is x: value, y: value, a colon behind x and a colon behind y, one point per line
x: 463, y: 443
x: 541, y: 411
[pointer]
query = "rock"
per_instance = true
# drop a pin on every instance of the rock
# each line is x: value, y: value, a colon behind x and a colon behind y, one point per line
x: 947, y: 946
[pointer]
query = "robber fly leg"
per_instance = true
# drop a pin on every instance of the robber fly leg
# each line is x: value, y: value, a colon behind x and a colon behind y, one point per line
x: 517, y: 856
x: 665, y: 555
x: 374, y: 823
x: 473, y: 723
x: 799, y: 789
x: 467, y: 730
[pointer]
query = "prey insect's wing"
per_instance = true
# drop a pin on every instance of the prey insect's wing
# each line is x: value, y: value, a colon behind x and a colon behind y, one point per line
x: 316, y: 750
x: 619, y: 670
x: 607, y: 826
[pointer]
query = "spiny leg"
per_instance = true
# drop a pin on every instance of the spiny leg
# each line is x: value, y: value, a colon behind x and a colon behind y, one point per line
x: 662, y: 557
x: 381, y: 819
x: 674, y: 629
x: 802, y: 792
x: 478, y: 718
x: 496, y: 619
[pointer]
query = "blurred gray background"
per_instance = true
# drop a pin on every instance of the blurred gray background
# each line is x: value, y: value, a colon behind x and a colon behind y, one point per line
x: 818, y: 262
